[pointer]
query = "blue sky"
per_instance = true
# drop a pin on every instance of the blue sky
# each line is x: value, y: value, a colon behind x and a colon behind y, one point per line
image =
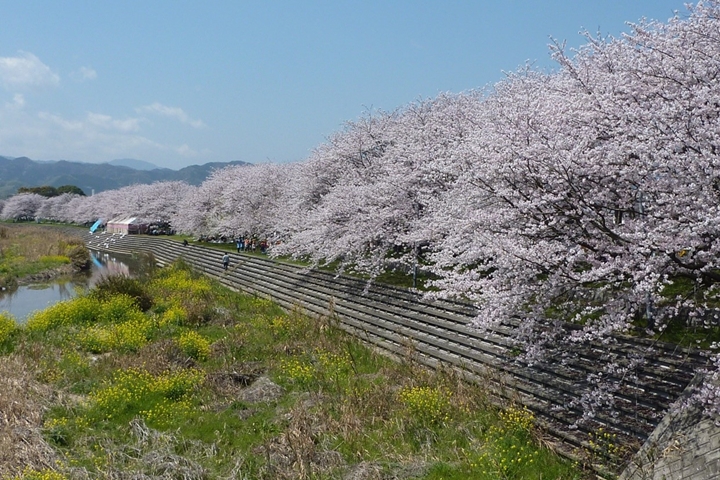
x: 177, y: 82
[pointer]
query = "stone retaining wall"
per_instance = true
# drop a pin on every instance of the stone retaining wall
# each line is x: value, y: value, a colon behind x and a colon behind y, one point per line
x: 685, y: 445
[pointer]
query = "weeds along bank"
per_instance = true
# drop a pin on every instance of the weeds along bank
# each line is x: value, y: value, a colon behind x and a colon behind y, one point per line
x: 588, y: 194
x: 174, y: 376
x: 34, y: 252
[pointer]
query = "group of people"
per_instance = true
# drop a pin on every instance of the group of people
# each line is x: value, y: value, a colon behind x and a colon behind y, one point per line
x: 212, y: 239
x: 250, y: 244
x: 245, y: 244
x: 242, y: 244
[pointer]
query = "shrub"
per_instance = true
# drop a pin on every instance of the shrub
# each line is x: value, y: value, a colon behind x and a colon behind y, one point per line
x: 279, y: 325
x: 117, y: 309
x: 333, y: 363
x: 127, y: 336
x: 113, y: 285
x: 51, y: 260
x: 428, y: 405
x: 517, y: 419
x: 174, y: 315
x: 335, y: 369
x: 180, y: 287
x: 178, y: 385
x: 79, y: 256
x: 7, y: 327
x: 158, y: 399
x: 75, y: 366
x: 508, y: 451
x: 604, y: 446
x: 8, y: 280
x: 76, y: 311
x: 194, y: 345
x: 284, y: 327
x: 297, y: 371
x: 46, y: 474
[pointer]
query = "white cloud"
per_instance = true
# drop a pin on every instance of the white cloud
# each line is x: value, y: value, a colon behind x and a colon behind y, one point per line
x: 26, y: 71
x: 172, y: 112
x: 84, y: 73
x: 107, y: 122
x: 61, y: 122
x: 186, y: 151
x: 18, y: 102
x: 92, y: 122
x: 91, y: 137
x: 88, y: 73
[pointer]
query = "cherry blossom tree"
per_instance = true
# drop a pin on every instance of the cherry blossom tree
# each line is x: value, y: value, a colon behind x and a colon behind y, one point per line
x: 158, y: 202
x: 362, y: 197
x: 252, y: 197
x: 82, y: 210
x: 335, y: 200
x: 595, y: 187
x: 22, y: 207
x: 105, y: 205
x: 597, y: 177
x: 193, y: 214
x: 55, y: 208
x: 236, y: 200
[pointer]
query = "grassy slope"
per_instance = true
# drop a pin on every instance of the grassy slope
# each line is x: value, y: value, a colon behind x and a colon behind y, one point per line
x: 208, y: 383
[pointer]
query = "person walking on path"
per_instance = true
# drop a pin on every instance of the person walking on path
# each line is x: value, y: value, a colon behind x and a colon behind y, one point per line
x: 225, y: 261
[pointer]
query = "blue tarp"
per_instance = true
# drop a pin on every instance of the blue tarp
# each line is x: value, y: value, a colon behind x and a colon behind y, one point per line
x: 96, y: 225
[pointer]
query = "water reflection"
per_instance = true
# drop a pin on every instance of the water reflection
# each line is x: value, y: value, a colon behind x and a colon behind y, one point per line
x: 104, y: 265
x: 20, y: 303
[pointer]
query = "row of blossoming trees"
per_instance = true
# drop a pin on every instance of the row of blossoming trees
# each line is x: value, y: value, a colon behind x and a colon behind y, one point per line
x: 582, y: 192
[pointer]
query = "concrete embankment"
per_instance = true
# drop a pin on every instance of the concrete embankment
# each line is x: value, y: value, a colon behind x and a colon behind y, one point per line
x: 402, y: 323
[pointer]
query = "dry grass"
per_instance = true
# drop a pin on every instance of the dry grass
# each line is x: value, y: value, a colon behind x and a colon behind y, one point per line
x: 23, y: 401
x: 158, y: 357
x: 150, y: 455
x: 297, y: 453
x: 33, y: 242
x: 36, y: 253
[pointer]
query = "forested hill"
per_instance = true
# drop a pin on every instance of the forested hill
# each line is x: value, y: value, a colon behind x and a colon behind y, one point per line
x: 24, y: 172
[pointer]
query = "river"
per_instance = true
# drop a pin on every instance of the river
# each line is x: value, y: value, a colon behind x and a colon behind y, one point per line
x: 26, y: 299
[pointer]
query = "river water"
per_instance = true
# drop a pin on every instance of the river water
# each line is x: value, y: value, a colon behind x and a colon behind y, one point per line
x: 26, y: 299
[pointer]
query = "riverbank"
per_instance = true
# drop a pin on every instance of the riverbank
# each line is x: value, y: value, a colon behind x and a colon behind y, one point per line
x: 174, y: 376
x: 47, y: 275
x: 35, y: 253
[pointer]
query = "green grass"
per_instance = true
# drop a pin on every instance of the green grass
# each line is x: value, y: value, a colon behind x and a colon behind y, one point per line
x: 17, y: 266
x: 329, y: 403
x: 681, y: 330
x: 30, y: 249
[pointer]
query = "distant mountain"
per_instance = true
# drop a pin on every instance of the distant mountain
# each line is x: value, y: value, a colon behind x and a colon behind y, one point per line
x: 133, y: 163
x: 92, y: 177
